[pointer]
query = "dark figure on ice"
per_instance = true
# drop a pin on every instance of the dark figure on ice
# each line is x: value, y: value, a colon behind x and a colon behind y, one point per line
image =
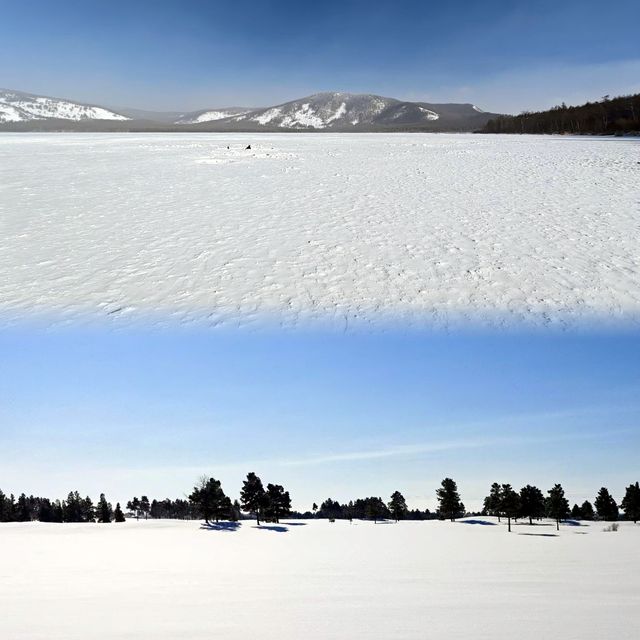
x: 248, y: 147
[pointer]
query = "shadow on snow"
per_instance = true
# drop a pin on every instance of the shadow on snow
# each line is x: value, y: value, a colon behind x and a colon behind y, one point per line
x: 221, y: 526
x: 483, y: 522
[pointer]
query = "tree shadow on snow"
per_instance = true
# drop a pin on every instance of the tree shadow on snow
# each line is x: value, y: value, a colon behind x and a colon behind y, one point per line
x: 483, y: 522
x: 295, y: 524
x: 271, y: 527
x: 539, y: 535
x: 574, y: 523
x: 220, y: 526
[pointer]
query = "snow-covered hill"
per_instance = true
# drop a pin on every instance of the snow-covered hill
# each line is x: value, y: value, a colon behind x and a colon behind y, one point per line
x: 16, y: 106
x: 340, y: 110
x: 210, y: 115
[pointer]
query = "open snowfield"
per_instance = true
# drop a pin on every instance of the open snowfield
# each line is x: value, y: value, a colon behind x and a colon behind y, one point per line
x: 343, y: 230
x: 172, y: 579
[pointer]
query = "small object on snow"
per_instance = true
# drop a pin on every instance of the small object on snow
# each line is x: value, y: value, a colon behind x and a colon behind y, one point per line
x: 248, y: 147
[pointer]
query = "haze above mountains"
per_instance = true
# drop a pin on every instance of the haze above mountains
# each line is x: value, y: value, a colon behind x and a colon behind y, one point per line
x: 21, y: 111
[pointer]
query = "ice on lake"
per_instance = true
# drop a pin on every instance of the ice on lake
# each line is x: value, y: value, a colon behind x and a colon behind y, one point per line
x: 335, y: 230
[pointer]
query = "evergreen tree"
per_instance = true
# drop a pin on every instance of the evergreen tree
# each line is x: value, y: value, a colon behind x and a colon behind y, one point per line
x: 210, y: 499
x: 236, y: 512
x: 631, y: 502
x: 586, y: 510
x: 374, y: 509
x: 278, y: 503
x: 493, y: 501
x: 531, y: 503
x: 117, y: 514
x: 314, y: 508
x: 557, y: 506
x: 606, y: 506
x: 145, y: 507
x: 87, y: 510
x: 104, y: 510
x: 449, y: 504
x: 509, y: 503
x: 252, y: 496
x: 576, y: 512
x: 398, y: 506
x: 134, y: 506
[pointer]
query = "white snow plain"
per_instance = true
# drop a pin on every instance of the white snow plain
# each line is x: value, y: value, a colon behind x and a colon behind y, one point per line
x: 338, y: 230
x: 317, y: 580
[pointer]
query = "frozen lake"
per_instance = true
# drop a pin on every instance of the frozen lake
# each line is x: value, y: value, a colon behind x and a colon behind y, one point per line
x: 454, y: 581
x: 343, y: 231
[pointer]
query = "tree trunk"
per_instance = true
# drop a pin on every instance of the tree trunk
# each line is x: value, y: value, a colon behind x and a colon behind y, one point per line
x: 509, y: 523
x: 530, y: 520
x: 558, y: 525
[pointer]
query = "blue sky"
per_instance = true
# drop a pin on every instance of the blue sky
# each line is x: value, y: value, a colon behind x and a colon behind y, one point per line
x: 502, y: 55
x: 324, y: 414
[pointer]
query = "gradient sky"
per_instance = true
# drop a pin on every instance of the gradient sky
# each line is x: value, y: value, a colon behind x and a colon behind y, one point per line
x: 326, y: 415
x: 502, y: 55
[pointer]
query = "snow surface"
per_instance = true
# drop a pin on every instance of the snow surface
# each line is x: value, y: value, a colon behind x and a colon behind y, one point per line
x: 339, y: 230
x: 317, y: 580
x: 430, y: 115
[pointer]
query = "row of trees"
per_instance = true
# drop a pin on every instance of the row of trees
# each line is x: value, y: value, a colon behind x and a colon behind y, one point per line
x: 504, y: 502
x: 73, y: 509
x: 209, y: 501
x: 608, y: 116
x: 449, y: 506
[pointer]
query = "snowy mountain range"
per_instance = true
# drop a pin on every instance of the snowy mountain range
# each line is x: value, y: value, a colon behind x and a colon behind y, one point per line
x: 319, y: 112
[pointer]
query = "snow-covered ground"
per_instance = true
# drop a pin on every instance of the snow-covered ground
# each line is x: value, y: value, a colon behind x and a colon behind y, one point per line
x: 172, y: 579
x: 337, y: 230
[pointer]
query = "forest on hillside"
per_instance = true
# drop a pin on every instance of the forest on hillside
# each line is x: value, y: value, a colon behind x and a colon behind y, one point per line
x: 609, y: 116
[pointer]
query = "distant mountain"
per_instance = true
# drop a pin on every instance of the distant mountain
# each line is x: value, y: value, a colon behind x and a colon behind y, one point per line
x: 210, y: 115
x: 16, y: 106
x: 356, y: 112
x: 319, y: 112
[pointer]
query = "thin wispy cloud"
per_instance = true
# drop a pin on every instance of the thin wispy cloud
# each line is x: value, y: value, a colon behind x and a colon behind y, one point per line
x: 450, y: 445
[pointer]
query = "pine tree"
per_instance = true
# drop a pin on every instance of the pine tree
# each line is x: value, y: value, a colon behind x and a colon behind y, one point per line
x: 631, y: 502
x: 374, y: 509
x: 449, y: 504
x: 314, y: 508
x: 104, y: 510
x: 145, y: 507
x: 134, y: 506
x: 210, y: 499
x: 278, y: 503
x: 493, y: 501
x: 398, y: 505
x: 531, y: 503
x: 509, y: 503
x: 576, y: 512
x: 236, y: 512
x: 252, y: 495
x: 606, y: 506
x: 117, y: 514
x: 557, y: 506
x: 586, y: 510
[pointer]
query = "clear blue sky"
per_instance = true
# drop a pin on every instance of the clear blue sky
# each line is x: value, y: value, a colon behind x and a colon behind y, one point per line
x: 503, y: 55
x: 326, y: 415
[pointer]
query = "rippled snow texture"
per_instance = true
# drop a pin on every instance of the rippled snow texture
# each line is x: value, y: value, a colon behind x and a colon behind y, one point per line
x: 427, y: 230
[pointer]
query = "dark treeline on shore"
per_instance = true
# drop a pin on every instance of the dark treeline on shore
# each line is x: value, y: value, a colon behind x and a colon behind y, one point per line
x: 208, y: 502
x: 611, y: 116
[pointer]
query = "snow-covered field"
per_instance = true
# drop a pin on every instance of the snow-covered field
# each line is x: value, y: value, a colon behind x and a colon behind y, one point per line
x: 171, y: 579
x: 427, y: 230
